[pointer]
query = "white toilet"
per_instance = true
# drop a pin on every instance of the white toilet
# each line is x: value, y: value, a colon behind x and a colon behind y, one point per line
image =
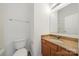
x: 20, y: 48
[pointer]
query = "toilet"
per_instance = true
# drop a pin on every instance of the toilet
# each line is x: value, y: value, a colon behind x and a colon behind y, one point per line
x: 20, y: 48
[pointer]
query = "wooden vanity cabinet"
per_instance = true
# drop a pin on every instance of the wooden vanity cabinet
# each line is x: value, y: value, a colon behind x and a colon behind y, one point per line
x: 45, y: 49
x: 53, y: 48
x: 65, y: 52
x: 50, y: 49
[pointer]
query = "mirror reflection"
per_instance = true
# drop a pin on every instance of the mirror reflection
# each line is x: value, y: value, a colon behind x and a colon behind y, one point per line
x: 64, y: 18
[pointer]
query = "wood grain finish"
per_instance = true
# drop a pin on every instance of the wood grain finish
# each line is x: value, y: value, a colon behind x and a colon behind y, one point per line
x: 65, y: 52
x: 51, y: 49
x: 52, y: 46
x: 45, y: 50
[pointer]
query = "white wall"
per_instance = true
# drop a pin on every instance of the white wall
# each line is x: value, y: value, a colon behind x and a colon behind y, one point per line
x: 53, y: 22
x: 41, y: 26
x: 1, y: 27
x: 31, y: 27
x: 16, y: 30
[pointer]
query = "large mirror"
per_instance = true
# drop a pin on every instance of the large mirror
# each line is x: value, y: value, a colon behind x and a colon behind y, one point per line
x: 64, y: 18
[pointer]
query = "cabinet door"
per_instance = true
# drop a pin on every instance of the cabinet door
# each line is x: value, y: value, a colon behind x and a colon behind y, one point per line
x: 67, y: 53
x: 64, y: 52
x: 53, y: 49
x: 53, y: 52
x: 45, y: 50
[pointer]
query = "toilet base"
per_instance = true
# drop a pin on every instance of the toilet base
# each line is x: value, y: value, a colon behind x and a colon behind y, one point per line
x: 21, y: 52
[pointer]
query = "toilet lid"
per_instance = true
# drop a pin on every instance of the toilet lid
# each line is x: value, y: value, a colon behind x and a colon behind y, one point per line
x: 21, y: 52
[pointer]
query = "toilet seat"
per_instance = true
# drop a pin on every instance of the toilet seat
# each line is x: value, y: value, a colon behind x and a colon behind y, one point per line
x: 21, y: 52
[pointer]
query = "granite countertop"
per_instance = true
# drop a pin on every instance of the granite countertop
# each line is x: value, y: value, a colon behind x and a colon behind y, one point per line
x: 66, y: 35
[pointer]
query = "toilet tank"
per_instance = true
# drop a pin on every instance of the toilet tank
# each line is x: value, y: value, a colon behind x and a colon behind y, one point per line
x: 19, y: 43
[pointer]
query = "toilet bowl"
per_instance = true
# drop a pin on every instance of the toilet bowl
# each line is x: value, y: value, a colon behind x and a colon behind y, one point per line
x: 21, y: 52
x: 20, y: 48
